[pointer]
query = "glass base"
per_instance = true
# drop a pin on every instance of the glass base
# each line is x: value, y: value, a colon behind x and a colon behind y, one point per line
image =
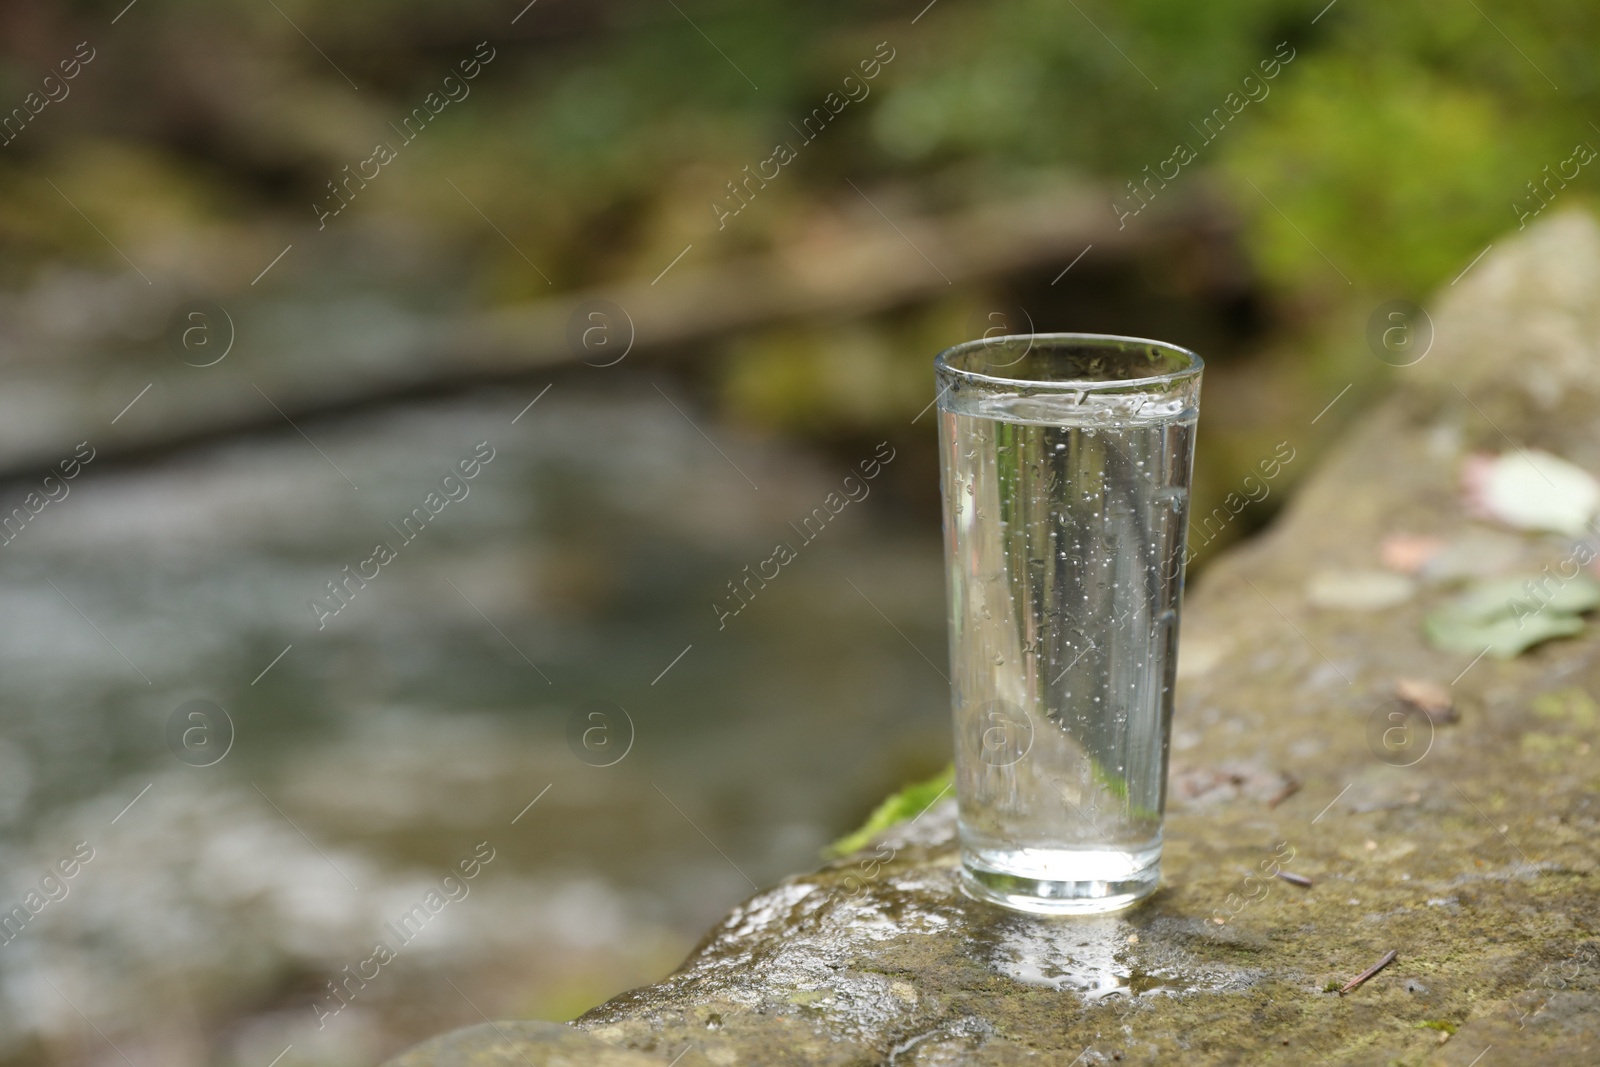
x: 1060, y: 881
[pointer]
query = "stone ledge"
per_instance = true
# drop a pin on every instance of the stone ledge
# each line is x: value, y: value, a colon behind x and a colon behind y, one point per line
x: 1476, y: 863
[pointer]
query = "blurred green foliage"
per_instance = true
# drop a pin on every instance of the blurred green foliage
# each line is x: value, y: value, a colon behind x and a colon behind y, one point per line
x: 1396, y: 141
x: 1388, y: 153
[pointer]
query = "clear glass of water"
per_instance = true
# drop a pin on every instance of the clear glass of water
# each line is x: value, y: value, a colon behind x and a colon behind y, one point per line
x: 1065, y: 462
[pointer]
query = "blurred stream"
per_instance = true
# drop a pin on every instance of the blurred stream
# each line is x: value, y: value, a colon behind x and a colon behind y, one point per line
x: 376, y: 753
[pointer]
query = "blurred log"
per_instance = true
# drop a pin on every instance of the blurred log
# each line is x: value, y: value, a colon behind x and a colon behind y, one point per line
x: 869, y: 266
x: 880, y: 266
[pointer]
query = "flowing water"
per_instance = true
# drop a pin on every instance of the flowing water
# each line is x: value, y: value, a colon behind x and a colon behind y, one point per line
x: 440, y: 708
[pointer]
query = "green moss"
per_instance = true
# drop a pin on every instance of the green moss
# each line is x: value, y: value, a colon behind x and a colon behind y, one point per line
x: 1443, y: 1025
x: 1572, y: 704
x: 908, y: 803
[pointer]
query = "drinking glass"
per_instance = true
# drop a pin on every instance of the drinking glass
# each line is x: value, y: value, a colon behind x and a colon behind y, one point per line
x: 1065, y: 463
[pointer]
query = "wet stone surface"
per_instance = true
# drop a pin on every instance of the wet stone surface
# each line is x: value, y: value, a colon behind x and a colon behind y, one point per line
x: 1475, y: 861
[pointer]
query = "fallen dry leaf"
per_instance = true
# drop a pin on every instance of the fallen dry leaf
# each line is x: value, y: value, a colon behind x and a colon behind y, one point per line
x: 1358, y: 590
x: 1408, y: 553
x: 1531, y: 490
x: 1202, y: 787
x: 1430, y: 698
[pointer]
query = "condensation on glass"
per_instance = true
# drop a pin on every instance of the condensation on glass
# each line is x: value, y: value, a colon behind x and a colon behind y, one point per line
x: 1065, y: 462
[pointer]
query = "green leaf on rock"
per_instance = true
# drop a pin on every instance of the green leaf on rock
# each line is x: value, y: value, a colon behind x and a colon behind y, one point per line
x: 1510, y: 597
x: 1507, y: 617
x: 1503, y: 638
x: 908, y: 803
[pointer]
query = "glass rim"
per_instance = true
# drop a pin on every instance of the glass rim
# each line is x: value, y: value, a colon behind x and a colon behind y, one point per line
x: 1109, y: 341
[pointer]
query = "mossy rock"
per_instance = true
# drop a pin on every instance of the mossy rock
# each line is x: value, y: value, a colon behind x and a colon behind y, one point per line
x: 1472, y: 854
